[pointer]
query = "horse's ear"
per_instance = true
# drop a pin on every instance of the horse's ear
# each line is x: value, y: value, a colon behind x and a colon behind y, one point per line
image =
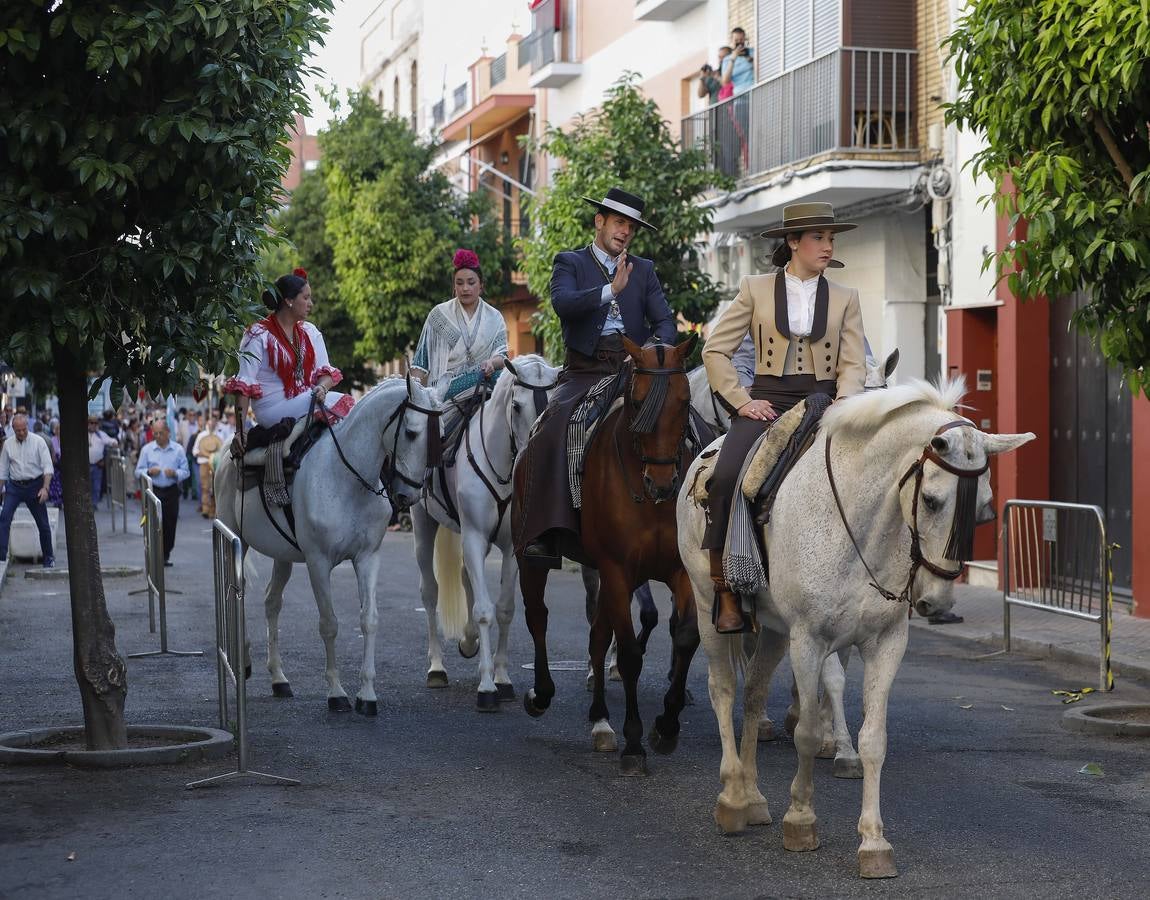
x: 632, y: 348
x: 890, y: 364
x: 688, y: 346
x: 1004, y: 443
x: 410, y: 388
x: 510, y: 368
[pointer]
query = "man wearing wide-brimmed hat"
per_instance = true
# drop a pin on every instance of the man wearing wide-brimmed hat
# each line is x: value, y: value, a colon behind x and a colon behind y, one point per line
x: 808, y: 338
x: 600, y: 294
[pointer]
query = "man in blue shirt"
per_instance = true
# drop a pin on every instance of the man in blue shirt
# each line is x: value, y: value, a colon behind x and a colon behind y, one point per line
x: 166, y: 464
x: 739, y: 68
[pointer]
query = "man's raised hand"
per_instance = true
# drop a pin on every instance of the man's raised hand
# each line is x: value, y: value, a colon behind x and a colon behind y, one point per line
x: 622, y: 274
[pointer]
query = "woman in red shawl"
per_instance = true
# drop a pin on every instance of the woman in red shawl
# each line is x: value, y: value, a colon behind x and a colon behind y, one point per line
x: 283, y: 360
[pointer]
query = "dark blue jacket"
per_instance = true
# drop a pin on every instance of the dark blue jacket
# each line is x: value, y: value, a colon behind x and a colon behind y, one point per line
x: 576, y: 293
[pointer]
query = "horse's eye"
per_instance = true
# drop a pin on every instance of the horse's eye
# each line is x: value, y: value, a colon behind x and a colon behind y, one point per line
x: 931, y: 502
x: 411, y: 433
x: 515, y: 405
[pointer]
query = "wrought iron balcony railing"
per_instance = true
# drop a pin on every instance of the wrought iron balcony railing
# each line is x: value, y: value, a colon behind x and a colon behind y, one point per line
x: 850, y: 99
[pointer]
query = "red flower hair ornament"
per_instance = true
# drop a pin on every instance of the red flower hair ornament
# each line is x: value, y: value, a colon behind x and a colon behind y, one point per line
x: 465, y: 259
x: 300, y: 273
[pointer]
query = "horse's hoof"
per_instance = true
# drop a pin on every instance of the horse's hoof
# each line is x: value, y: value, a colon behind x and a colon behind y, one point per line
x: 730, y: 819
x: 877, y: 864
x: 662, y: 744
x: 633, y: 765
x: 529, y: 705
x: 758, y: 813
x: 603, y: 738
x: 366, y: 707
x: 338, y: 704
x: 848, y: 767
x: 613, y: 674
x: 800, y: 838
x: 464, y: 653
x: 487, y: 701
x: 826, y: 751
x: 436, y: 679
x: 282, y: 689
x: 790, y: 722
x: 767, y: 732
x: 505, y: 693
x: 247, y: 671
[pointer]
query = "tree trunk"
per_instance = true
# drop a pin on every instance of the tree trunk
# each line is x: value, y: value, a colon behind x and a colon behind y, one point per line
x: 100, y: 670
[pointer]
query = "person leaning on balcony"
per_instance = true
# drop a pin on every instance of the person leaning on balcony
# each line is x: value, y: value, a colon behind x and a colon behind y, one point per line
x: 739, y: 68
x: 808, y: 338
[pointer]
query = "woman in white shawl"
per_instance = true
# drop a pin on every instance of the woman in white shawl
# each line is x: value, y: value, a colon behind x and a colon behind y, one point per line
x: 464, y: 340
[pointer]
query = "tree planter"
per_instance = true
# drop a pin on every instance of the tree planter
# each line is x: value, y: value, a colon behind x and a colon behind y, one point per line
x: 163, y: 745
x: 1121, y: 719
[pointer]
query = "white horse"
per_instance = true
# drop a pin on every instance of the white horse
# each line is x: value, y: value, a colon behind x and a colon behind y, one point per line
x: 341, y: 510
x: 905, y: 469
x: 479, y: 488
x: 836, y: 739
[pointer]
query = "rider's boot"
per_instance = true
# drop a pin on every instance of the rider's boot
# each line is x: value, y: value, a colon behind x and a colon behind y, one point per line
x: 727, y: 615
x: 543, y: 550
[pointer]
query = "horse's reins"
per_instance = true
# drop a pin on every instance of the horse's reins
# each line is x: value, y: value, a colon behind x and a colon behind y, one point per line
x: 962, y: 528
x: 644, y: 423
x: 539, y: 395
x: 390, y: 469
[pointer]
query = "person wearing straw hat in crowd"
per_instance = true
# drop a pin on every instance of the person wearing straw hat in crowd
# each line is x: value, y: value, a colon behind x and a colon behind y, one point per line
x: 808, y: 336
x: 600, y: 294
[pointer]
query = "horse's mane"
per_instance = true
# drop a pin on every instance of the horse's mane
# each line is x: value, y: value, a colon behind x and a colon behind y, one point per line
x: 865, y: 412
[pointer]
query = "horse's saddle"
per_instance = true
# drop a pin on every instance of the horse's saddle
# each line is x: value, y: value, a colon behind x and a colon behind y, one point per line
x: 274, y: 454
x: 771, y: 458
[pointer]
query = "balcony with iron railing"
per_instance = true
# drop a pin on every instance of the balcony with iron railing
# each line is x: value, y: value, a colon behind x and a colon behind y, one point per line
x: 548, y: 49
x: 852, y: 101
x: 498, y: 70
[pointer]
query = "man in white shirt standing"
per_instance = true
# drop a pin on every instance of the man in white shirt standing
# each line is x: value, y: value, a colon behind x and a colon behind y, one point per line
x: 25, y: 473
x: 98, y: 442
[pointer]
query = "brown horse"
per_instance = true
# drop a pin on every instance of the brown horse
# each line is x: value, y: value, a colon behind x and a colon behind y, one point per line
x: 631, y: 477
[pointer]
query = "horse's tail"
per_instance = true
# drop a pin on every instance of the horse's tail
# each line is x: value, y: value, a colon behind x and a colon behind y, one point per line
x: 452, y: 607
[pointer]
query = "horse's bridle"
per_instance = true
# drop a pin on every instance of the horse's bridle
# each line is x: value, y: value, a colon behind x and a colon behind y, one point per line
x: 650, y: 415
x: 390, y: 471
x: 539, y: 396
x: 917, y: 559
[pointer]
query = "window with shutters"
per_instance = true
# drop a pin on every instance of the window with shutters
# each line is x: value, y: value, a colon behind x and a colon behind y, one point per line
x: 793, y: 32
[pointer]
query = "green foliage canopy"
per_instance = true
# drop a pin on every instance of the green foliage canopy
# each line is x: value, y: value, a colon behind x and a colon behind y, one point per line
x: 626, y: 143
x: 393, y: 223
x: 143, y: 150
x: 1059, y: 88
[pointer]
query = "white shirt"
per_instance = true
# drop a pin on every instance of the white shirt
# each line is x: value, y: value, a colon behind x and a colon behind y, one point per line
x: 97, y: 442
x: 25, y: 460
x: 801, y: 304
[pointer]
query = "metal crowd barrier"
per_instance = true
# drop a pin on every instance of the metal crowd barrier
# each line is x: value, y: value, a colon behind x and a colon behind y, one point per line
x: 1056, y: 558
x: 154, y: 576
x: 231, y: 643
x: 116, y: 473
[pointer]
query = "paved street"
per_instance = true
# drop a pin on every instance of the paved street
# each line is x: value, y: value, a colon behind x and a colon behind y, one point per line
x: 433, y: 799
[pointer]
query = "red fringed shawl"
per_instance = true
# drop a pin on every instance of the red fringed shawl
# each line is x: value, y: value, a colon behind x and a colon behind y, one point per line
x: 282, y: 356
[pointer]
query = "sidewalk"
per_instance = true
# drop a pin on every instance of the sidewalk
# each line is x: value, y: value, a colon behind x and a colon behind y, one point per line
x: 1045, y: 634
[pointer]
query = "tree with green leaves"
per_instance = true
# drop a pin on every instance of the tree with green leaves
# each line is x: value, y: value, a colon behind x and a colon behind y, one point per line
x: 143, y: 146
x: 303, y: 226
x: 625, y: 143
x: 1060, y: 90
x: 393, y: 223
